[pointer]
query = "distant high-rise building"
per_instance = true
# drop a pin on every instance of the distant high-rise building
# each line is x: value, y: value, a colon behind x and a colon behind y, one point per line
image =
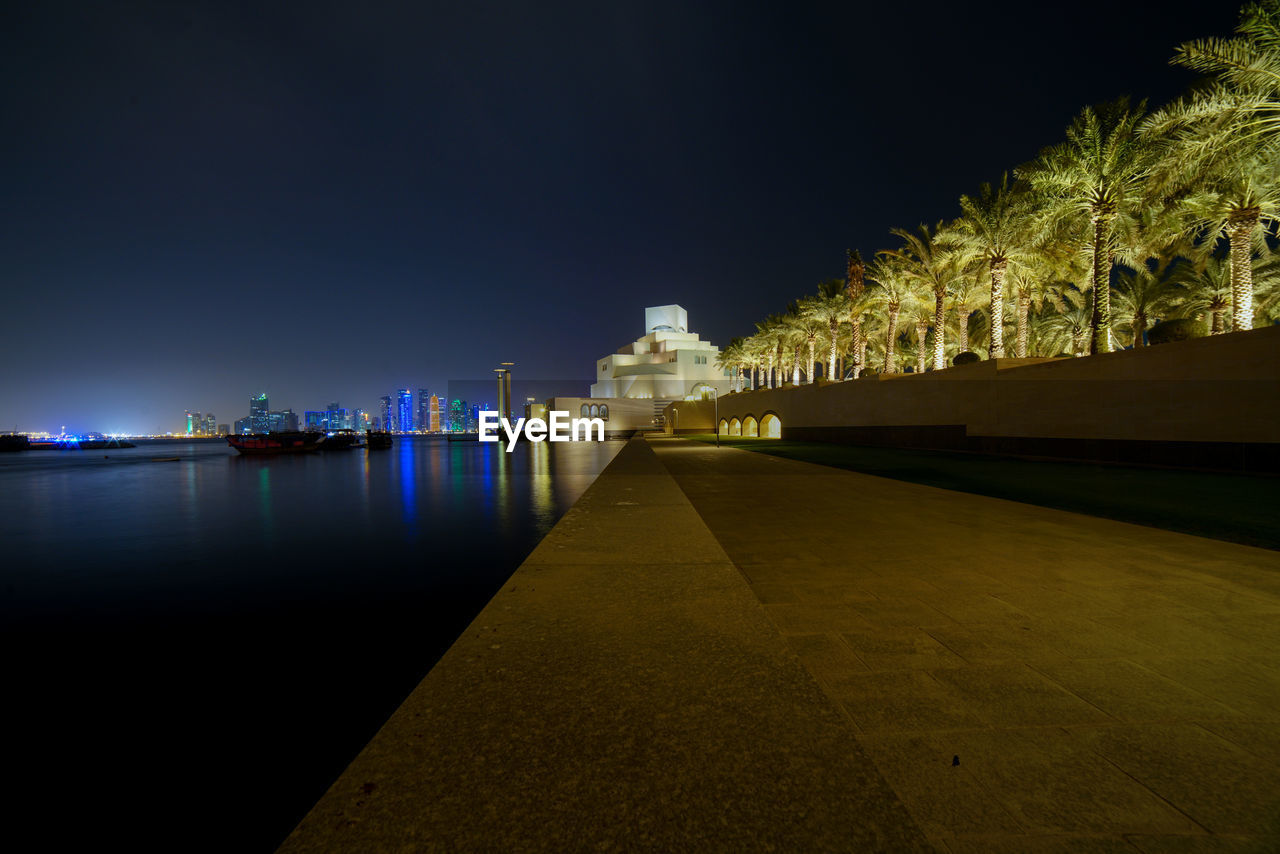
x: 339, y: 418
x: 473, y: 419
x: 457, y: 416
x: 243, y: 425
x: 405, y: 410
x: 435, y: 414
x: 224, y: 429
x: 386, y: 413
x: 281, y: 420
x: 210, y: 425
x: 194, y: 423
x: 424, y: 408
x: 258, y: 414
x: 315, y: 420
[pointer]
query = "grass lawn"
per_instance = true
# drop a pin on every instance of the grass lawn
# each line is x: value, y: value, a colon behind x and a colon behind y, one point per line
x: 1238, y: 508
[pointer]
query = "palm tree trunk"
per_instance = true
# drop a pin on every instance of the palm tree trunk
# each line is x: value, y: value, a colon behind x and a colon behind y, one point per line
x: 1100, y: 325
x: 1218, y: 326
x: 1240, y: 232
x: 857, y: 346
x: 1139, y: 329
x: 996, y: 348
x: 834, y: 330
x: 939, y: 338
x: 795, y: 366
x: 922, y: 332
x: 962, y: 326
x: 769, y: 372
x: 891, y: 340
x: 813, y: 343
x: 1024, y: 309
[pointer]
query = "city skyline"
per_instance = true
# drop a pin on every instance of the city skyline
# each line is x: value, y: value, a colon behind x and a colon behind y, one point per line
x: 198, y: 212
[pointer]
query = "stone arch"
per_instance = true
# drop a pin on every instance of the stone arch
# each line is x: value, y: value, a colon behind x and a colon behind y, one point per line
x: 585, y: 410
x: 771, y: 426
x: 724, y: 427
x: 750, y: 427
x: 604, y: 411
x: 735, y: 426
x: 595, y: 411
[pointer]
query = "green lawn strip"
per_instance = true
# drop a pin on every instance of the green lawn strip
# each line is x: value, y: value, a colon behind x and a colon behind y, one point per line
x: 1236, y: 508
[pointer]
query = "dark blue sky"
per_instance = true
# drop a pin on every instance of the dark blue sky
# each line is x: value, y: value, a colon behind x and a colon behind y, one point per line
x: 327, y: 201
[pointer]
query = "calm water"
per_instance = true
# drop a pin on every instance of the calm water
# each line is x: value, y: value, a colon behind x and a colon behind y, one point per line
x: 196, y: 649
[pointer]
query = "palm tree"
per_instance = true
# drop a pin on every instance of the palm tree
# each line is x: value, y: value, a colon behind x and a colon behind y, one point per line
x: 997, y: 227
x: 1224, y: 141
x: 924, y: 260
x: 894, y: 289
x: 920, y: 316
x: 829, y: 308
x: 1065, y: 326
x: 964, y: 297
x: 855, y: 284
x: 805, y: 326
x: 1092, y: 179
x: 1209, y: 288
x: 1146, y: 295
x: 734, y: 358
x: 768, y: 342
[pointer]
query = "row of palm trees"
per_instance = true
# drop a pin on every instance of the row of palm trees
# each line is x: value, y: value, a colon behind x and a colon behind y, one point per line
x: 1135, y: 217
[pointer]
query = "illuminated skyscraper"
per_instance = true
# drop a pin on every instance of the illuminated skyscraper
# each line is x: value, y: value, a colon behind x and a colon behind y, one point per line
x: 424, y: 408
x: 458, y: 415
x: 387, y: 423
x: 210, y: 425
x: 193, y: 423
x: 435, y: 414
x: 258, y: 418
x: 405, y: 410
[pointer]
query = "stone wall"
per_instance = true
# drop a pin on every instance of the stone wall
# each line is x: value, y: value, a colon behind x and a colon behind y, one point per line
x: 1218, y: 396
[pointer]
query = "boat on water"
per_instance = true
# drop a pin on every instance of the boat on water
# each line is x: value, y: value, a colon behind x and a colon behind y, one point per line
x: 377, y: 440
x: 342, y: 439
x: 69, y: 443
x: 286, y: 442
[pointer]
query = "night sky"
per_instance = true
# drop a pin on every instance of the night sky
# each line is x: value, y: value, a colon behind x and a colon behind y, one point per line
x: 327, y: 201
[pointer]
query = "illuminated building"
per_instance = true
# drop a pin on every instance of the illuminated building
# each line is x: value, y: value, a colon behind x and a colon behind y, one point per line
x: 243, y: 425
x: 194, y: 423
x: 386, y: 413
x: 667, y: 363
x: 258, y: 414
x: 458, y: 416
x: 404, y: 410
x: 424, y: 408
x: 435, y: 414
x: 210, y: 425
x: 224, y: 429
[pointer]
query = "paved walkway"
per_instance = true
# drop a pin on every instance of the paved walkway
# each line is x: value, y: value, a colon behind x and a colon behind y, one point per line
x: 624, y: 691
x: 1102, y: 686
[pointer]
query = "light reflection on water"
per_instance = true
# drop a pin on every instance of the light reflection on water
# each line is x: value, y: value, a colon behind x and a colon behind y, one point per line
x: 279, y: 607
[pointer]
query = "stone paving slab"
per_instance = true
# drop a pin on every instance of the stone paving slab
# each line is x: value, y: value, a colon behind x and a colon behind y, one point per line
x: 1102, y: 686
x: 624, y: 691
